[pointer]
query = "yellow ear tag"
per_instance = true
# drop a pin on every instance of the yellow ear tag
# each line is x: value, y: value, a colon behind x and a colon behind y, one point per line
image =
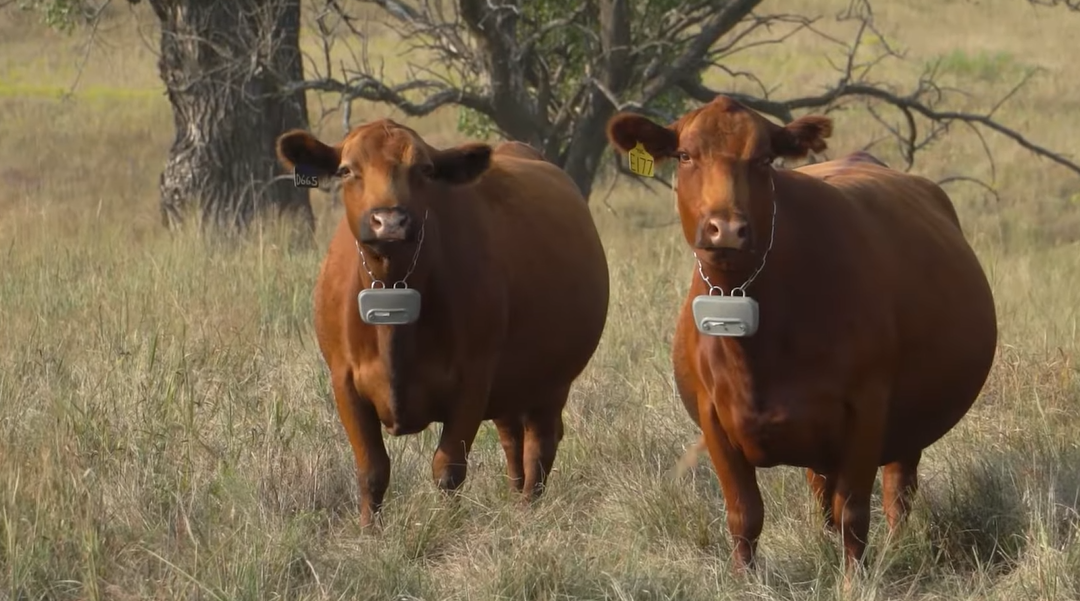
x: 641, y: 162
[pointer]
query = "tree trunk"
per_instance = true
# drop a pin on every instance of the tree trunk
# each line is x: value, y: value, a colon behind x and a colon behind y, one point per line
x: 583, y: 159
x: 221, y: 62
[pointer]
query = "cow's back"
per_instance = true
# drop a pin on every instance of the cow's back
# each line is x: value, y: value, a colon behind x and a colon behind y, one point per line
x: 553, y: 268
x: 945, y: 320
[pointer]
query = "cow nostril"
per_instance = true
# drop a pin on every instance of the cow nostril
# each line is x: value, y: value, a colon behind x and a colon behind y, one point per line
x: 741, y: 232
x: 712, y: 230
x: 376, y: 221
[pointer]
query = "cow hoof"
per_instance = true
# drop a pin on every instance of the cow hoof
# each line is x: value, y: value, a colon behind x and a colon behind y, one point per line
x: 451, y: 478
x: 371, y: 523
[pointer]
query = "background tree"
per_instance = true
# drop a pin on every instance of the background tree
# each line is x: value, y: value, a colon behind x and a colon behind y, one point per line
x: 552, y: 72
x: 547, y: 72
x: 223, y: 65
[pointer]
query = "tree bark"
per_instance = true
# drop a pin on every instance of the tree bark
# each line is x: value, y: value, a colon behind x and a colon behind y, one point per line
x: 583, y: 160
x: 588, y: 141
x: 222, y: 63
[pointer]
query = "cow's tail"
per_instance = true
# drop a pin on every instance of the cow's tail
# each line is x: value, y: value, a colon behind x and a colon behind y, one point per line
x: 689, y: 458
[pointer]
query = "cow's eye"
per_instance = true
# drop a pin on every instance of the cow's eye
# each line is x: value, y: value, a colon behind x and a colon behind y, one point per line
x: 684, y: 157
x: 344, y: 171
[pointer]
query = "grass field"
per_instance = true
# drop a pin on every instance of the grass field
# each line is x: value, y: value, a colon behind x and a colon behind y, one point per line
x: 167, y: 429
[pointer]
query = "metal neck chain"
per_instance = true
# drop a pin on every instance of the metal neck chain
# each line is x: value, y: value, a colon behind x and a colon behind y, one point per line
x: 741, y: 289
x: 402, y: 283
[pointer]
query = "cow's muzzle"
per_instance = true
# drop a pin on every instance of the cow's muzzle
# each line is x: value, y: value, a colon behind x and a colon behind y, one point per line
x: 393, y: 224
x: 723, y: 233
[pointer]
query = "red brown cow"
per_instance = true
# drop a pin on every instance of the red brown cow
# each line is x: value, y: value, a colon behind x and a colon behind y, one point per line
x: 513, y: 283
x: 877, y: 326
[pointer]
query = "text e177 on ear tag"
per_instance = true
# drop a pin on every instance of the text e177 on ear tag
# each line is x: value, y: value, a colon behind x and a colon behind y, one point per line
x: 641, y: 162
x: 389, y: 306
x: 725, y: 315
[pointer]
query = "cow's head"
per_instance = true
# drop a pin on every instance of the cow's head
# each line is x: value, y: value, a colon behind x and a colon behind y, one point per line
x: 724, y: 173
x: 389, y: 176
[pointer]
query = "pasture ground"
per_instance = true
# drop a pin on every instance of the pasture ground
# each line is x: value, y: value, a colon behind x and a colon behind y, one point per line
x: 167, y: 429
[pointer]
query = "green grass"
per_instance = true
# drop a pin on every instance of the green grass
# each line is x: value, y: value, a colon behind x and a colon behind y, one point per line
x: 167, y: 430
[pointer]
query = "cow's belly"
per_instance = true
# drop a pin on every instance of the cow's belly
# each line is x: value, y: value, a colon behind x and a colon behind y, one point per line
x: 548, y: 344
x: 929, y: 400
x: 939, y: 375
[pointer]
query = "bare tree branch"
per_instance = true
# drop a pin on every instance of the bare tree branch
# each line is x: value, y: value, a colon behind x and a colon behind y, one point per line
x: 93, y: 16
x: 691, y: 60
x: 1069, y: 4
x: 909, y: 103
x: 368, y: 88
x: 551, y: 72
x: 963, y: 178
x: 924, y: 101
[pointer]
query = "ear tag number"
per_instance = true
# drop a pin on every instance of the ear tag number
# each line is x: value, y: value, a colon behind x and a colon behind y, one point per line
x: 641, y: 162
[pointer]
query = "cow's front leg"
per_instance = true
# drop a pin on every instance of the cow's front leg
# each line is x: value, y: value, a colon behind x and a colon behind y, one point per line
x: 738, y: 482
x: 361, y: 424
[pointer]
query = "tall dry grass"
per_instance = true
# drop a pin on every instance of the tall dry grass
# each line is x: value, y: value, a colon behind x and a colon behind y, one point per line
x: 167, y: 430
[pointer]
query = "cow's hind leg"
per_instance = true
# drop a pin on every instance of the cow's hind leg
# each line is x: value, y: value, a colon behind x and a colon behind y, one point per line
x: 899, y: 482
x: 512, y: 437
x: 851, y: 508
x: 823, y: 486
x: 858, y: 469
x: 543, y: 432
x: 451, y: 461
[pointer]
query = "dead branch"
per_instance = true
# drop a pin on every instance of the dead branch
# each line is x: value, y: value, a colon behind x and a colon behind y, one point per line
x: 368, y: 88
x: 1069, y: 4
x: 925, y: 101
x: 691, y: 61
x: 974, y: 180
x: 553, y: 79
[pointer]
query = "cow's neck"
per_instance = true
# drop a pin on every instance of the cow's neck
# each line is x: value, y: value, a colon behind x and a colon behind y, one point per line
x: 740, y: 357
x: 724, y: 277
x: 398, y: 345
x: 400, y: 268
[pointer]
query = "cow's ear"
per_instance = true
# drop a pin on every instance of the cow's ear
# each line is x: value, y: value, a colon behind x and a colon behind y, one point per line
x: 460, y: 164
x: 298, y: 147
x: 626, y: 130
x: 805, y: 134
